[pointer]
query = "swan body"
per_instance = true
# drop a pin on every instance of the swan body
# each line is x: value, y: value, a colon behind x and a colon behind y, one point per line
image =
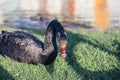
x: 26, y: 48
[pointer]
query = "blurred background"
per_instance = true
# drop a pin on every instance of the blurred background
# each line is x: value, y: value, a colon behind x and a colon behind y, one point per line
x: 72, y: 13
x: 93, y: 31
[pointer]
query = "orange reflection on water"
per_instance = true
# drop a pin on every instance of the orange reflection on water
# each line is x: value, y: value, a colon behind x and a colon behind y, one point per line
x: 72, y: 7
x: 101, y: 13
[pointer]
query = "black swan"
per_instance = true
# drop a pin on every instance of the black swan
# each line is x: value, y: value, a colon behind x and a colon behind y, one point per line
x: 26, y: 48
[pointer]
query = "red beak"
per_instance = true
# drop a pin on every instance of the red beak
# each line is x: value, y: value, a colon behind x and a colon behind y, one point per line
x: 63, y: 50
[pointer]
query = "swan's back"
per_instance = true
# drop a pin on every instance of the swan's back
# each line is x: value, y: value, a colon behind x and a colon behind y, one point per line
x: 20, y: 46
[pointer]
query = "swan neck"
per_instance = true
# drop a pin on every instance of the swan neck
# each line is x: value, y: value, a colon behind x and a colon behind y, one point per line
x: 50, y: 40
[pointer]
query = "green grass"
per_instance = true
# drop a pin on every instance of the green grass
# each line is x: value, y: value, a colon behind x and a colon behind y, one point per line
x: 91, y: 55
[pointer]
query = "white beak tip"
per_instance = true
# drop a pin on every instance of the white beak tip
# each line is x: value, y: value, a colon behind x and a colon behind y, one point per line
x: 64, y: 55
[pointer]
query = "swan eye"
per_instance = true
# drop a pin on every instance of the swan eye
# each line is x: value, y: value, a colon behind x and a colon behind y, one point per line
x: 62, y: 36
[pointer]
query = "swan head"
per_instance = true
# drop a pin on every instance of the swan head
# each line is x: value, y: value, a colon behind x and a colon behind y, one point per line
x: 62, y: 36
x: 63, y: 44
x: 63, y: 49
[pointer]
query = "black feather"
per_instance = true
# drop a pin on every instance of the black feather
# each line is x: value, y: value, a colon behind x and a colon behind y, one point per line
x: 24, y: 47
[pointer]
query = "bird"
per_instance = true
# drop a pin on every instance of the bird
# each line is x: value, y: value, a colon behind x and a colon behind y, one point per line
x: 26, y: 48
